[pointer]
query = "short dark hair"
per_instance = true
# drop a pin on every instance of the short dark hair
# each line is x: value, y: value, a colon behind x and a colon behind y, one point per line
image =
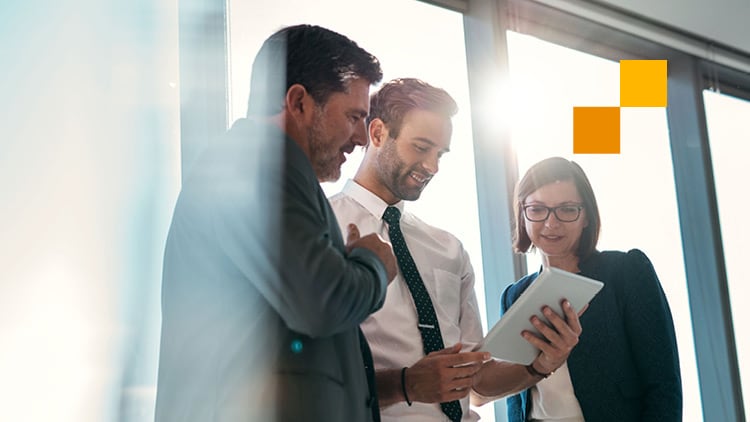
x: 549, y: 171
x: 317, y: 58
x: 399, y: 96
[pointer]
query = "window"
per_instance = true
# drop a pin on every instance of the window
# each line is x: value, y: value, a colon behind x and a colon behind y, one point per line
x: 728, y: 134
x: 640, y: 174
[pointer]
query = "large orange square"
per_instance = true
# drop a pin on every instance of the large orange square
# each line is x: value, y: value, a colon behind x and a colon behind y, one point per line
x: 643, y: 83
x: 596, y: 130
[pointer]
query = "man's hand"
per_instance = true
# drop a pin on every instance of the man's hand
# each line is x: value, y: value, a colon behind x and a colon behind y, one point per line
x: 560, y: 338
x: 377, y: 245
x: 444, y: 375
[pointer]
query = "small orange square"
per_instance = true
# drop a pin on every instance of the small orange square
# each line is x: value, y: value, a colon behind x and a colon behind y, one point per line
x: 643, y: 83
x: 596, y: 130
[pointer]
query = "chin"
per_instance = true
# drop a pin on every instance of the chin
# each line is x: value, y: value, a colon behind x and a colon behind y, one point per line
x: 328, y: 176
x: 328, y: 173
x: 410, y: 193
x: 408, y: 196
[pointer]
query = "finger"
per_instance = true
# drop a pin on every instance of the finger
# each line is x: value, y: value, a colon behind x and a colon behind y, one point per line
x: 471, y: 358
x: 465, y: 371
x: 571, y: 317
x: 463, y: 383
x: 468, y: 363
x: 447, y: 351
x: 461, y: 389
x: 536, y: 341
x: 549, y: 330
x: 568, y: 328
x: 458, y: 360
x: 352, y: 233
x: 454, y: 390
x: 453, y: 383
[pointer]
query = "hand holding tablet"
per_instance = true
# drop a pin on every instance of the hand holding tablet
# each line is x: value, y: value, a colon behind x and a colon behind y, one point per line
x: 504, y: 340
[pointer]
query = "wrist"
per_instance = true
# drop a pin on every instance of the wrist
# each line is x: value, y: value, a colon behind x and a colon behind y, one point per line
x: 535, y: 373
x: 403, y: 386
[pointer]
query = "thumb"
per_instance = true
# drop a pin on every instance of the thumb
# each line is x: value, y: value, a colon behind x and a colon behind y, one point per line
x: 352, y: 234
x: 448, y: 350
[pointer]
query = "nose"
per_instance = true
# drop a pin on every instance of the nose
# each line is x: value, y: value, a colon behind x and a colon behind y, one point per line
x: 432, y: 164
x: 359, y: 137
x: 552, y: 220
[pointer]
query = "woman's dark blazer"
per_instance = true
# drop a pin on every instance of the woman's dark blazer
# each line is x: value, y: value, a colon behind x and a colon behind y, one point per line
x: 625, y: 366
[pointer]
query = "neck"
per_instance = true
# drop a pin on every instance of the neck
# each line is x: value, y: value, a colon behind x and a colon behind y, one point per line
x: 367, y: 179
x: 566, y: 262
x: 287, y: 126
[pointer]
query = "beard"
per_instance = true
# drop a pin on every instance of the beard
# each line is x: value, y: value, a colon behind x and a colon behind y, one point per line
x: 395, y: 175
x: 324, y: 156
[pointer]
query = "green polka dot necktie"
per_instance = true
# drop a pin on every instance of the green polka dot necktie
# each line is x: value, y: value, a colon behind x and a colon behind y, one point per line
x: 428, y: 325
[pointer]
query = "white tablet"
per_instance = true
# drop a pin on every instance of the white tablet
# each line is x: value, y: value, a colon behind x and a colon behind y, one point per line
x: 504, y: 341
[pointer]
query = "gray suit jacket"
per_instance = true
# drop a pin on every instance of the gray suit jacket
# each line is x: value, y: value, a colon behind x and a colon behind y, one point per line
x: 260, y: 303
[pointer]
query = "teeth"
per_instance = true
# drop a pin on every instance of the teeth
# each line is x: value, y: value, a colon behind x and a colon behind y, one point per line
x: 418, y: 178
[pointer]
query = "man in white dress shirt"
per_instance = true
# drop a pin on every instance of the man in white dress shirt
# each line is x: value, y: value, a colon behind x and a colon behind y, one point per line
x: 410, y: 129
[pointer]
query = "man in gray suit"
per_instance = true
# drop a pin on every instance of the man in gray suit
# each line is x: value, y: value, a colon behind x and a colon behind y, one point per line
x: 262, y: 298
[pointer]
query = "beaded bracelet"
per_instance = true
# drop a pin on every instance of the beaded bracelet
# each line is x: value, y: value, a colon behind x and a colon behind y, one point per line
x: 403, y: 385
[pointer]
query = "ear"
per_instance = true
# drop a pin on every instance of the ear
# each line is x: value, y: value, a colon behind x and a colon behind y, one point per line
x: 378, y: 132
x: 297, y: 101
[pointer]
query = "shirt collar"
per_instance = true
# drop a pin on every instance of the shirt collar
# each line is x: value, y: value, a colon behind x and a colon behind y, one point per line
x: 372, y: 203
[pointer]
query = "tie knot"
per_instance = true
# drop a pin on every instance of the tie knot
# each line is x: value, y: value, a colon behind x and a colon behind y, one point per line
x: 392, y: 215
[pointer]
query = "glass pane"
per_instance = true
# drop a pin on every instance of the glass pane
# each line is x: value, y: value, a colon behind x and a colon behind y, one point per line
x: 87, y: 198
x: 729, y: 133
x: 406, y: 48
x: 543, y: 127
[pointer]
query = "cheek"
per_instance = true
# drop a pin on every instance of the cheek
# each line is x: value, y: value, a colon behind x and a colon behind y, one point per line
x: 408, y: 158
x: 347, y: 130
x: 578, y: 231
x: 530, y: 228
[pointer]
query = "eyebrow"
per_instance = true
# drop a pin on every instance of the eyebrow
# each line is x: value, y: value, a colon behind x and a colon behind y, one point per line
x: 429, y: 141
x: 561, y: 204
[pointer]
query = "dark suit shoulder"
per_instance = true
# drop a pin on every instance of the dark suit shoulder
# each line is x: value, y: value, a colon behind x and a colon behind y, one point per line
x: 608, y: 263
x: 638, y: 259
x: 612, y: 256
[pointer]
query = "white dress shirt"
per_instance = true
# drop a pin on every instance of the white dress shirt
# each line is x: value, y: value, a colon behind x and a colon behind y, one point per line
x: 449, y: 278
x: 553, y: 399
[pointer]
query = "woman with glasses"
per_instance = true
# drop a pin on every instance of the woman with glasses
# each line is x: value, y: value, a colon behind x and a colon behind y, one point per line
x: 625, y: 366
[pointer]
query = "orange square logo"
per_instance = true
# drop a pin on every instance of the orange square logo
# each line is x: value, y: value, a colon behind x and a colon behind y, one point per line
x: 596, y: 130
x: 643, y: 83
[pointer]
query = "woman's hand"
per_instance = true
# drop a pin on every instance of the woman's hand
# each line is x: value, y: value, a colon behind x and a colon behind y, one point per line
x: 558, y: 340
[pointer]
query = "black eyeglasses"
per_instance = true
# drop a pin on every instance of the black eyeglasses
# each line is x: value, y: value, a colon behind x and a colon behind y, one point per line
x: 565, y: 213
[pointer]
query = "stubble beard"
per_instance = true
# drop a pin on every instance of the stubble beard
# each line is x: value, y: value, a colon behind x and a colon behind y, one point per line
x: 324, y: 157
x: 393, y: 173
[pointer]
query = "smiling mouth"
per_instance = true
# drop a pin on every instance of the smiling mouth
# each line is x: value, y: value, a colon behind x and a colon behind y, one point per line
x: 419, y: 178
